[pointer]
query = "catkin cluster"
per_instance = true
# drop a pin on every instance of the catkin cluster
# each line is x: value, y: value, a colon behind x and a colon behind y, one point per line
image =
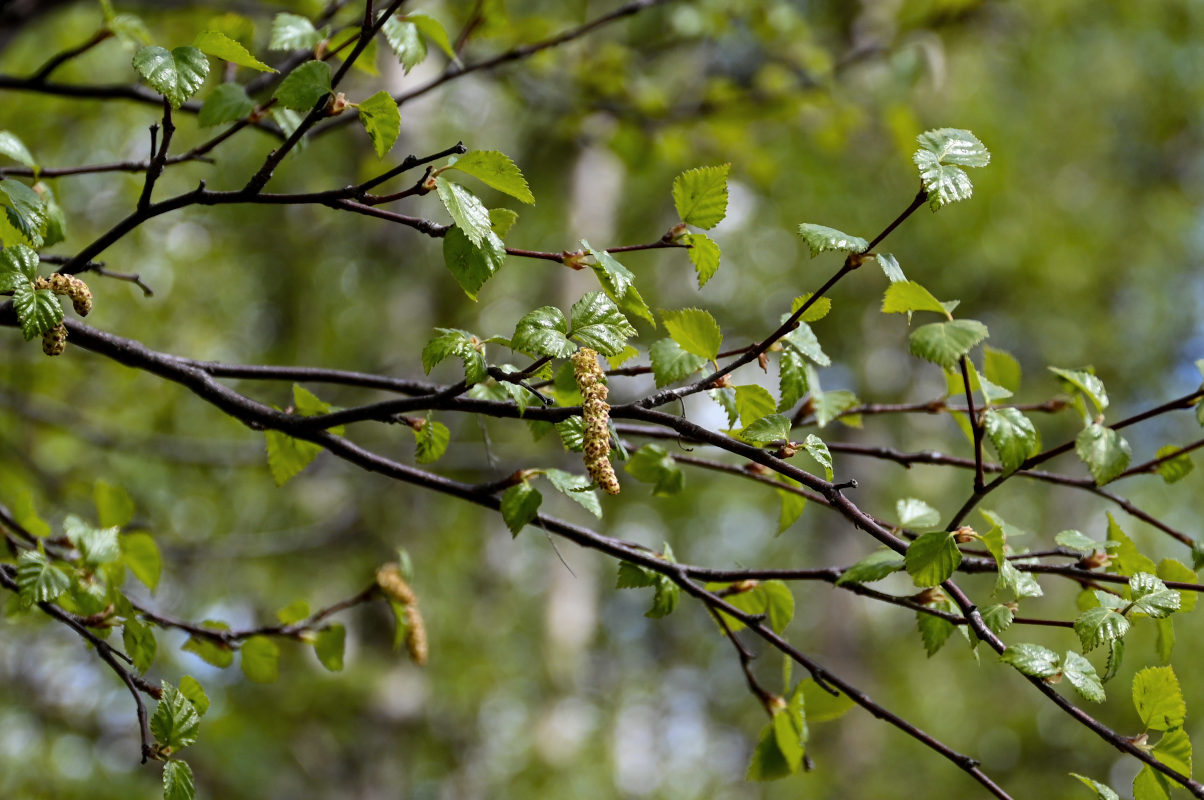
x: 395, y: 587
x: 595, y: 410
x: 71, y: 286
x: 54, y: 341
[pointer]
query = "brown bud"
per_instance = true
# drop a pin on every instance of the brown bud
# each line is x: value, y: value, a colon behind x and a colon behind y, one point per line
x: 337, y: 105
x: 964, y: 535
x: 1095, y: 560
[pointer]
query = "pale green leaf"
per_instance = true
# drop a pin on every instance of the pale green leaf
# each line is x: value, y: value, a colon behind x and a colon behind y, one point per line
x: 495, y: 169
x: 700, y: 195
x: 818, y: 450
x: 908, y: 296
x: 944, y: 343
x: 12, y: 147
x: 175, y: 722
x: 816, y: 311
x: 260, y: 659
x: 38, y: 580
x: 890, y: 266
x: 293, y: 32
x: 932, y: 558
x: 915, y: 513
x: 406, y: 42
x: 219, y: 45
x: 695, y: 330
x: 1087, y: 383
x: 1158, y: 698
x: 821, y: 238
x: 1174, y: 750
x: 1082, y: 676
x: 1173, y: 469
x: 1097, y: 626
x: 1012, y: 435
x: 381, y: 120
x: 773, y: 428
x: 431, y: 440
x: 671, y: 364
x: 653, y: 464
x: 577, y: 488
x: 432, y: 29
x: 1001, y: 368
x: 704, y: 255
x: 1103, y: 450
x: 191, y: 688
x: 1102, y: 792
x: 753, y: 402
x: 141, y: 556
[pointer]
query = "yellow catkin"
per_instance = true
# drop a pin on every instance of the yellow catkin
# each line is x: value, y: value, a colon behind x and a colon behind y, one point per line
x: 596, y: 412
x: 54, y: 341
x: 415, y: 640
x: 395, y: 587
x: 72, y: 287
x: 389, y: 579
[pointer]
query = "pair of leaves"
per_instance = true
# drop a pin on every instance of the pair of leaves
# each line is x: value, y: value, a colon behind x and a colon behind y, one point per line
x: 1109, y: 621
x: 597, y: 323
x: 1041, y: 662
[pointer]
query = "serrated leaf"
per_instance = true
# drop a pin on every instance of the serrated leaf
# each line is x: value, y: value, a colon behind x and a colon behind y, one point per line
x: 431, y: 441
x: 653, y: 464
x: 818, y: 450
x: 543, y: 332
x: 753, y: 402
x: 432, y: 29
x: 934, y: 631
x: 874, y: 567
x: 302, y: 88
x: 494, y: 168
x: 1102, y: 792
x: 945, y: 183
x: 175, y: 722
x: 955, y: 146
x: 227, y: 103
x: 804, y: 341
x: 998, y: 618
x: 572, y: 433
x: 501, y: 220
x: 597, y: 323
x: 520, y: 504
x: 1032, y: 659
x: 817, y: 311
x: 771, y: 599
x: 176, y: 74
x: 671, y: 364
x: 944, y: 343
x: 343, y: 43
x: 941, y: 155
x: 619, y: 284
x: 1171, y: 570
x: 1151, y: 597
x: 260, y: 659
x: 633, y: 576
x: 18, y: 265
x: 832, y: 405
x: 293, y: 32
x: 96, y: 545
x: 219, y: 45
x: 12, y: 147
x: 25, y: 210
x: 890, y: 267
x: 908, y: 296
x: 1150, y: 785
x: 790, y: 731
x: 178, y: 783
x: 821, y: 238
x: 406, y: 42
x: 932, y: 558
x: 577, y: 488
x: 381, y: 120
x: 726, y: 399
x: 1091, y: 386
x: 773, y: 428
x: 329, y: 646
x: 700, y: 195
x: 1103, y: 450
x: 695, y: 330
x: 1174, y: 750
x: 1173, y: 469
x: 470, y: 264
x: 38, y: 580
x: 191, y: 688
x: 38, y: 310
x: 453, y: 342
x: 139, y: 642
x: 1077, y: 541
x: 1097, y: 626
x: 704, y: 255
x: 1012, y: 435
x: 1083, y: 677
x: 1001, y: 368
x: 665, y: 596
x: 768, y: 763
x: 792, y: 378
x: 287, y: 456
x: 141, y: 555
x: 1158, y: 698
x: 915, y: 513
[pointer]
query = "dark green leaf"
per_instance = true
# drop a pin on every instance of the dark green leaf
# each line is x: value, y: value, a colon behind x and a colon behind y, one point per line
x: 820, y: 238
x: 792, y: 378
x: 520, y: 504
x: 227, y: 103
x: 495, y: 169
x: 542, y: 332
x: 18, y: 265
x: 1103, y: 450
x: 175, y: 722
x: 597, y: 323
x: 139, y: 643
x: 768, y: 762
x: 38, y: 580
x: 619, y: 283
x: 874, y: 567
x: 472, y: 265
x: 934, y: 631
x: 944, y: 343
x: 633, y: 576
x: 577, y: 488
x: 453, y: 342
x: 1083, y: 677
x: 932, y: 558
x: 830, y: 406
x: 700, y: 195
x: 1151, y: 597
x: 25, y: 210
x: 941, y: 155
x: 774, y: 428
x: 210, y: 650
x: 816, y: 448
x: 1032, y: 659
x: 653, y: 464
x: 302, y: 88
x: 998, y: 618
x: 38, y: 310
x: 381, y: 120
x: 955, y: 146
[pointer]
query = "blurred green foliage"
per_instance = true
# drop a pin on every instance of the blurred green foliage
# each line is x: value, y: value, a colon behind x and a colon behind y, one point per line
x: 1080, y: 246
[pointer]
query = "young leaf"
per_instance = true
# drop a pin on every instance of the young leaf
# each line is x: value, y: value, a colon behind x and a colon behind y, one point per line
x: 1032, y: 659
x: 874, y: 567
x: 1102, y: 792
x: 653, y: 464
x: 178, y: 782
x: 619, y: 284
x: 816, y: 448
x: 792, y: 378
x: 406, y: 42
x: 344, y: 42
x: 914, y: 513
x: 39, y: 581
x: 955, y: 146
x: 908, y: 296
x: 260, y: 659
x: 1171, y: 570
x: 176, y: 74
x: 1012, y: 435
x: 302, y: 88
x: 453, y: 342
x: 293, y: 32
x: 818, y: 309
x: 140, y: 553
x: 833, y: 405
x: 700, y: 195
x: 25, y: 210
x: 890, y: 266
x: 1174, y: 750
x: 208, y: 650
x: 520, y: 504
x: 1096, y: 626
x: 944, y: 343
x: 671, y: 364
x: 932, y: 558
x: 997, y: 618
x: 1173, y: 469
x: 329, y: 646
x: 773, y: 428
x: 432, y: 29
x: 114, y: 507
x: 1001, y: 368
x: 381, y: 120
x: 219, y: 45
x: 577, y: 488
x: 934, y: 631
x: 1103, y: 450
x: 598, y: 324
x: 820, y: 238
x: 495, y: 169
x: 96, y: 545
x: 1158, y: 698
x: 431, y: 440
x: 768, y: 763
x: 695, y: 330
x: 1083, y: 677
x: 227, y: 103
x: 543, y: 332
x: 472, y: 265
x: 38, y: 310
x: 191, y: 688
x: 501, y: 220
x: 14, y: 148
x: 803, y: 341
x: 790, y: 508
x: 941, y: 155
x: 704, y: 255
x: 1087, y: 383
x: 18, y: 265
x: 1151, y: 597
x: 753, y: 402
x: 176, y: 721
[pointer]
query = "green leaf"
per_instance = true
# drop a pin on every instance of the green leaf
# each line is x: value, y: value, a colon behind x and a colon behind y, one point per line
x: 790, y: 731
x: 653, y: 464
x: 1151, y: 597
x: 998, y: 618
x: 294, y: 612
x: 832, y: 405
x: 1150, y: 785
x: 1083, y: 677
x: 618, y: 282
x: 753, y: 402
x: 1103, y: 450
x: 941, y: 155
x: 432, y: 29
x: 139, y: 642
x: 1087, y: 383
x: 671, y: 364
x: 1174, y: 750
x: 260, y: 659
x: 572, y: 433
x: 1097, y: 626
x: 955, y: 146
x: 908, y: 296
x: 343, y: 43
x: 597, y: 323
x: 302, y: 88
x: 495, y: 169
x: 1171, y: 570
x: 191, y: 688
x: 932, y: 558
x: 771, y: 599
x: 471, y: 264
x: 817, y: 311
x: 1102, y: 792
x: 774, y: 428
x: 821, y: 705
x: 219, y: 45
x: 178, y: 783
x: 210, y: 651
x: 914, y: 513
x: 803, y: 341
x: 633, y: 576
x: 176, y: 74
x: 792, y: 378
x: 666, y: 593
x: 18, y: 266
x: 890, y: 266
x: 288, y: 456
x: 1001, y: 368
x: 577, y: 488
x: 700, y: 195
x: 113, y: 504
x: 704, y: 255
x: 791, y: 508
x: 96, y: 545
x: 25, y: 210
x: 1032, y: 659
x: 818, y: 450
x: 874, y: 567
x: 38, y: 311
x: 501, y: 220
x: 14, y: 148
x: 934, y: 631
x: 406, y: 42
x: 944, y: 343
x: 1012, y: 435
x: 1173, y: 469
x: 141, y: 555
x: 175, y: 722
x: 520, y: 504
x: 542, y: 332
x: 431, y: 441
x: 821, y: 238
x: 768, y: 763
x: 453, y: 342
x: 381, y: 120
x: 1158, y: 698
x: 293, y: 32
x: 1128, y: 559
x: 38, y: 580
x: 329, y: 646
x: 695, y: 330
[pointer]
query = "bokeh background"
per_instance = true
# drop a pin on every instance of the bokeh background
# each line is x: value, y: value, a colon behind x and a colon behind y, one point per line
x: 1082, y: 245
